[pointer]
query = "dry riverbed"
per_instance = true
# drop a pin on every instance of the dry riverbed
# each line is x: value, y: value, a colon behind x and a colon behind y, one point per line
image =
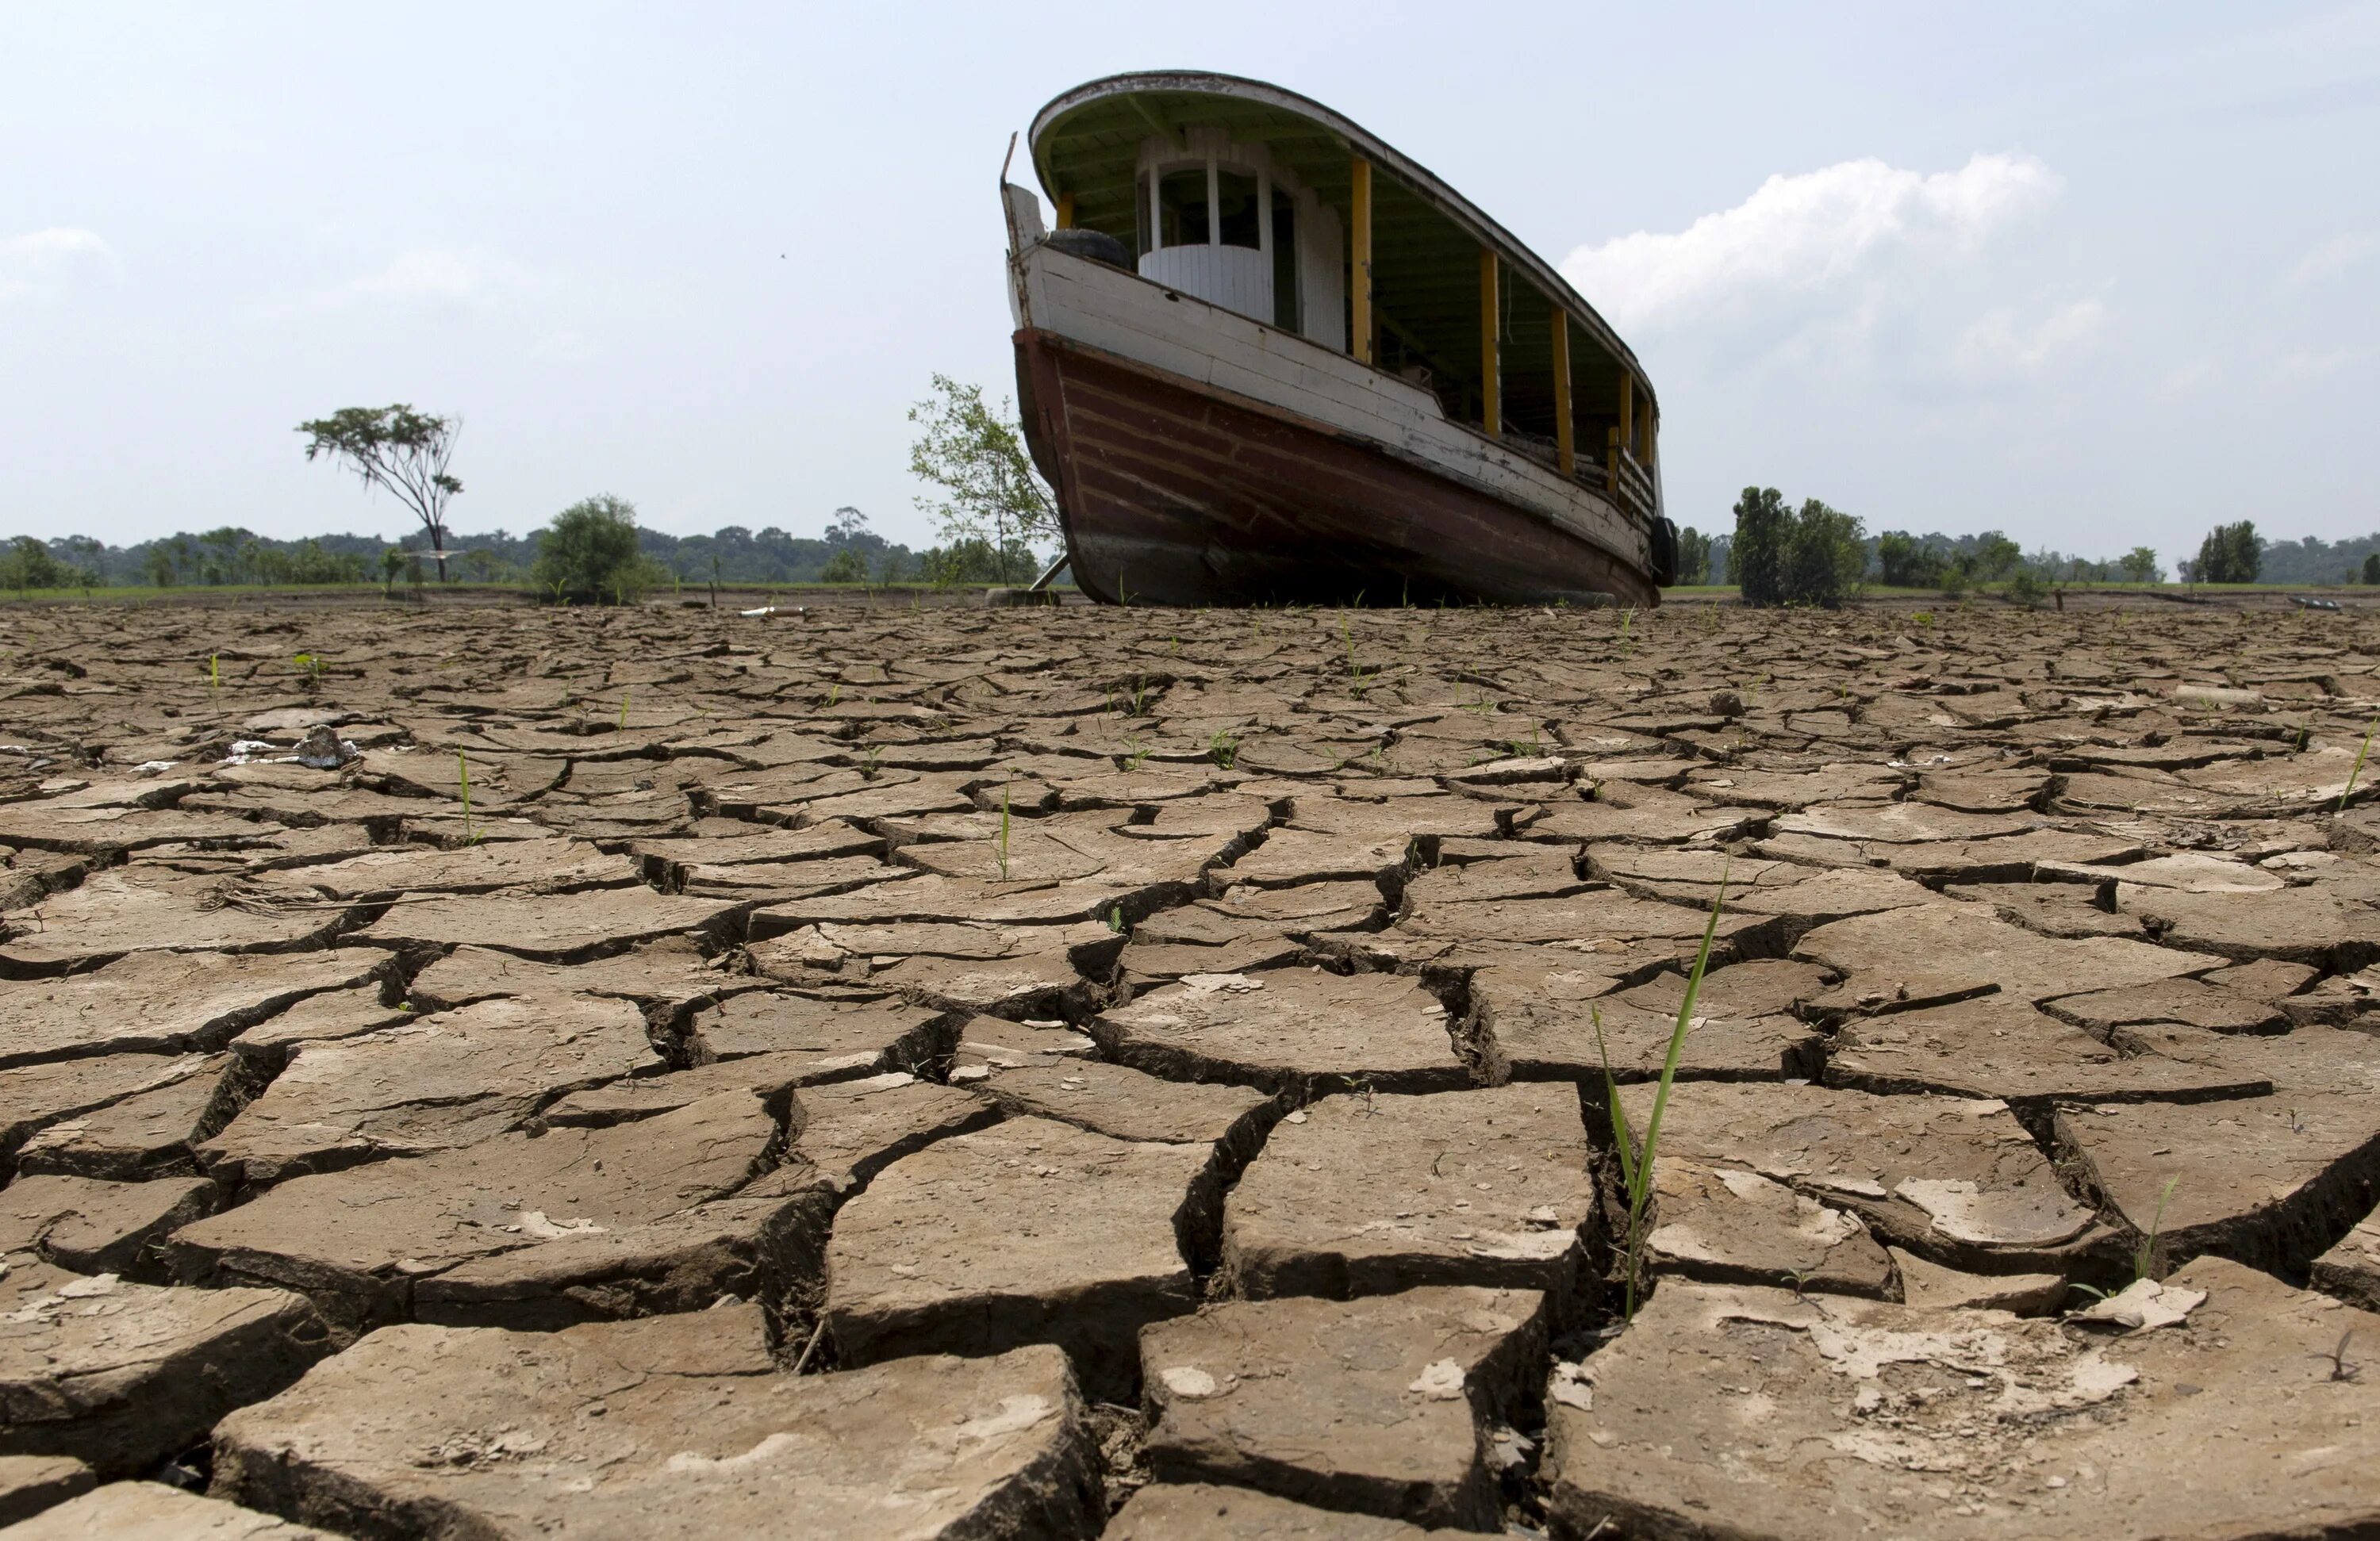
x: 884, y: 1072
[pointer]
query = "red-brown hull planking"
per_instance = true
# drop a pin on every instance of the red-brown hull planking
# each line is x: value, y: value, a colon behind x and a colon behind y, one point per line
x: 1173, y: 494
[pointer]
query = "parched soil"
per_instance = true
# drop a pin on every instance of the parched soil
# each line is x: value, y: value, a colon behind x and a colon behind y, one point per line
x: 886, y: 1071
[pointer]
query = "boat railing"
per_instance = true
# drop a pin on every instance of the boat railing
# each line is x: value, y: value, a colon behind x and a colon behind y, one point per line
x: 1632, y: 485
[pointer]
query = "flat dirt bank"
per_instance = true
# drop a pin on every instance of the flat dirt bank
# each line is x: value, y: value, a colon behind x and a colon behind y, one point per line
x: 1023, y: 1073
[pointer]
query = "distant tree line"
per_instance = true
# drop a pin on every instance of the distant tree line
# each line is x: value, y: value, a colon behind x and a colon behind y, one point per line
x: 1818, y: 555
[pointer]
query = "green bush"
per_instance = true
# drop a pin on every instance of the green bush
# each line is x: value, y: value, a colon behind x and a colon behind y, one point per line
x: 1903, y: 563
x: 27, y: 564
x: 2230, y: 553
x: 845, y: 566
x: 1763, y: 530
x: 1817, y: 556
x: 2026, y: 589
x: 1693, y: 556
x: 588, y: 556
x: 2371, y: 568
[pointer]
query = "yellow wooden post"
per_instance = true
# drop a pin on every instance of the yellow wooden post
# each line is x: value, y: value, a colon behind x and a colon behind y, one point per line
x: 1491, y: 374
x: 1360, y: 254
x: 1065, y: 211
x: 1565, y: 431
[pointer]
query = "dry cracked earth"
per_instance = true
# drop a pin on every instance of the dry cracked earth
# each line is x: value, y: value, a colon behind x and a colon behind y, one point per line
x: 1074, y: 1073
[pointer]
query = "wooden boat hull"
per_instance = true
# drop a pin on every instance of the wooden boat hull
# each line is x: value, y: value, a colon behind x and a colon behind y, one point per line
x: 1174, y: 492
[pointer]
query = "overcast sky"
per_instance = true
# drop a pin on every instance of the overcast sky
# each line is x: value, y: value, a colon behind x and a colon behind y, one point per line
x: 2096, y: 274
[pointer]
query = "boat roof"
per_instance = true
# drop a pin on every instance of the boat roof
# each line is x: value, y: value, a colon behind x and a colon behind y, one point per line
x: 1086, y: 143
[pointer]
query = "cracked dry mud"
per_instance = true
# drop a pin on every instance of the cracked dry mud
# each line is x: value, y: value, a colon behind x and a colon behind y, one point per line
x: 1073, y: 1072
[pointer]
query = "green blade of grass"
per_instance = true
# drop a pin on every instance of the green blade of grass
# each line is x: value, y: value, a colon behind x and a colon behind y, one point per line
x: 1620, y: 1140
x: 1686, y: 1017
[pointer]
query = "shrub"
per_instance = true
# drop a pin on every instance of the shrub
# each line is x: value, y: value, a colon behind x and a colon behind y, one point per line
x: 1826, y: 558
x: 2026, y: 589
x: 1693, y: 556
x: 27, y: 564
x: 2371, y: 568
x: 2230, y: 553
x: 588, y: 556
x: 1903, y: 563
x: 1762, y: 533
x: 1817, y: 556
x: 845, y: 566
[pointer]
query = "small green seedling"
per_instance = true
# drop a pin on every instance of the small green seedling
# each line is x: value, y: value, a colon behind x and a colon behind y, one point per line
x: 215, y: 678
x: 1136, y: 752
x: 1636, y: 1161
x: 834, y: 693
x: 623, y: 711
x: 868, y: 759
x: 463, y: 771
x: 2144, y: 1256
x: 310, y: 668
x: 1003, y: 832
x: 1223, y: 749
x: 1115, y: 918
x: 2358, y: 771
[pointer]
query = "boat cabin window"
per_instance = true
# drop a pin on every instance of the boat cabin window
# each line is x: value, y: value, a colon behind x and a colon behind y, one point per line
x: 1239, y: 218
x: 1182, y: 207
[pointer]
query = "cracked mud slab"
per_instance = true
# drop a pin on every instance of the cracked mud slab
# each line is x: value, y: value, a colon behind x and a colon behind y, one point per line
x: 1375, y: 1405
x: 1029, y: 1230
x: 1289, y: 1030
x: 364, y: 1242
x: 663, y: 1428
x: 120, y: 1376
x: 153, y: 1511
x: 1822, y: 1416
x: 1370, y: 1194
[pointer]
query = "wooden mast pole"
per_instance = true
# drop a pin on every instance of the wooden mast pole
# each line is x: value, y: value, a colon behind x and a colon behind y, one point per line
x: 1491, y: 374
x: 1565, y: 431
x: 1360, y: 253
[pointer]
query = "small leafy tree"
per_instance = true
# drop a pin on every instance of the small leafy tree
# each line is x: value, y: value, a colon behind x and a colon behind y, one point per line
x: 1693, y: 556
x: 845, y: 566
x: 988, y: 490
x: 27, y: 564
x: 2230, y: 553
x: 1826, y: 558
x: 589, y: 554
x: 1995, y: 556
x: 1762, y: 533
x: 403, y: 452
x: 2140, y: 565
x: 1904, y: 561
x: 848, y: 526
x: 1817, y: 556
x: 2371, y: 568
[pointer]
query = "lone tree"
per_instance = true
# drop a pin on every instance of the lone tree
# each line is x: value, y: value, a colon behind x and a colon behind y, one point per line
x: 398, y: 449
x: 2230, y: 553
x: 1763, y: 532
x: 2140, y: 565
x: 588, y: 556
x: 990, y: 491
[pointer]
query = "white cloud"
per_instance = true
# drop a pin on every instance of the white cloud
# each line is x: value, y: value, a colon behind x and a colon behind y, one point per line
x: 1802, y: 235
x: 444, y: 277
x: 1998, y: 343
x: 2303, y: 364
x: 42, y: 260
x: 2332, y: 258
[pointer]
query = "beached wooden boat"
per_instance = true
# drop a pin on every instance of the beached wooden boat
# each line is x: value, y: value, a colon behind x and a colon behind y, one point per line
x: 1266, y: 359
